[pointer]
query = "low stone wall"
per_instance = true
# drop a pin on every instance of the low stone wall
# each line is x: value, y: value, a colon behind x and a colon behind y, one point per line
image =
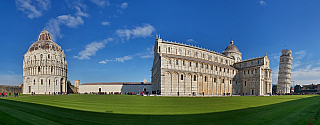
x: 73, y: 89
x: 115, y: 88
x: 10, y: 89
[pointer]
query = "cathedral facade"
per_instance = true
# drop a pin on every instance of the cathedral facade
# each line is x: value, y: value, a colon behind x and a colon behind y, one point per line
x: 44, y: 67
x: 180, y: 69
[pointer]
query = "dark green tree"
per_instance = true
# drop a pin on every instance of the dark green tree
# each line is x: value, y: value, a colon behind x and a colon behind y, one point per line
x: 69, y: 83
x: 274, y: 89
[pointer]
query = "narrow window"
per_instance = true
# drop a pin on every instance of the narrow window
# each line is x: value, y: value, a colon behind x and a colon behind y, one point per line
x: 230, y: 81
x: 258, y: 61
x: 169, y: 49
x: 248, y: 72
x: 41, y: 81
x: 224, y: 69
x: 222, y: 80
x: 202, y: 65
x: 206, y: 66
x: 220, y: 69
x: 183, y: 63
x: 194, y: 78
x: 189, y: 64
x: 48, y: 56
x: 245, y: 83
x: 169, y: 61
x: 216, y: 68
x: 39, y: 69
x: 181, y: 77
x: 202, y: 55
x: 255, y: 70
x: 226, y: 61
x: 209, y: 57
x: 221, y: 60
x: 34, y: 82
x: 211, y: 67
x: 236, y: 82
x: 159, y: 49
x: 214, y: 80
x: 177, y: 62
x: 49, y: 82
x: 251, y: 71
x: 228, y: 71
x: 56, y: 82
x: 216, y: 59
x: 196, y: 53
x: 205, y: 79
x: 244, y: 72
x: 188, y: 52
x: 197, y: 65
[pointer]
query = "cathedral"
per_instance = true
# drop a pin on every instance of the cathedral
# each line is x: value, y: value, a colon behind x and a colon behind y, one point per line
x: 44, y: 67
x: 180, y: 69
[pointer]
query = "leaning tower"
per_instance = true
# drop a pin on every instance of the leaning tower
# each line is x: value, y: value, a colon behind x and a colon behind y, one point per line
x: 285, y: 68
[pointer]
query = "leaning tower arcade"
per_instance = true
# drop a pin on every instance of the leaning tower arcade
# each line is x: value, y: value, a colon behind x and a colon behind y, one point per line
x: 285, y: 68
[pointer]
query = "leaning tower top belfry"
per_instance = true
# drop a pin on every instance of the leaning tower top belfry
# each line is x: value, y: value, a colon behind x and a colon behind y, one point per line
x: 285, y: 69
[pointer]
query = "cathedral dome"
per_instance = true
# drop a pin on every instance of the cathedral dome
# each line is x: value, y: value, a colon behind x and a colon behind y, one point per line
x: 231, y: 48
x: 45, y: 43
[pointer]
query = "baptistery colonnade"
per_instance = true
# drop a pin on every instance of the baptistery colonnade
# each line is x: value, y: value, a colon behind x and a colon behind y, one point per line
x: 44, y: 67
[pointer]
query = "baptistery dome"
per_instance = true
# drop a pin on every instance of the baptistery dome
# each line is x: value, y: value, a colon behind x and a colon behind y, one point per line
x: 44, y: 67
x: 45, y: 43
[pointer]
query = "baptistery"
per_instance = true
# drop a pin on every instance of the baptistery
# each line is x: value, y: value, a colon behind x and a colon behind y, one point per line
x: 44, y: 67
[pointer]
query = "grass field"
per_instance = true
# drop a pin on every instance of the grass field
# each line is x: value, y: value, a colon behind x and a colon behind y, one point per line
x: 123, y: 109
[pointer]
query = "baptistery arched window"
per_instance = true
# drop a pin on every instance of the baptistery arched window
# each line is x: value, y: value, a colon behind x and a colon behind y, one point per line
x: 194, y: 78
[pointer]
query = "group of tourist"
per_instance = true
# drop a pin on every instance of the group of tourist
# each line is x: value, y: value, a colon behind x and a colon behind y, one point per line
x: 6, y: 94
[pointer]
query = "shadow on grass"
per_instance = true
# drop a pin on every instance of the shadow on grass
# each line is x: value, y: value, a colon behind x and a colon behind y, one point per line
x: 292, y: 112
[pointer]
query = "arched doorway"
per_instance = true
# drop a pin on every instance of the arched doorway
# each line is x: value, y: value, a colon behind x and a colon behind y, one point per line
x: 62, y: 82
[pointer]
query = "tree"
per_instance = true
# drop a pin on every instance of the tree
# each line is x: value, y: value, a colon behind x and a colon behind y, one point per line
x: 69, y: 83
x: 274, y: 89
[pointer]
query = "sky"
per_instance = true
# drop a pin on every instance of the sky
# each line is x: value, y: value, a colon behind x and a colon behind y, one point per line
x: 112, y: 41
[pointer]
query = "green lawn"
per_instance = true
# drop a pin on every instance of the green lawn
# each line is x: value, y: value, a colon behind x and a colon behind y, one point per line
x: 123, y: 109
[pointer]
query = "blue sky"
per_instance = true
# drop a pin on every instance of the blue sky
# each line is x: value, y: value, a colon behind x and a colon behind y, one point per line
x: 112, y: 41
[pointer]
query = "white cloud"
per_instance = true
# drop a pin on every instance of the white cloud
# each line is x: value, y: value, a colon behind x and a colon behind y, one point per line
x: 191, y: 41
x: 68, y: 50
x: 148, y: 54
x: 306, y: 75
x: 144, y: 31
x: 105, y: 23
x: 53, y: 26
x: 124, y: 5
x: 125, y: 58
x: 33, y: 9
x: 81, y: 13
x: 11, y: 72
x: 300, y: 54
x: 262, y: 3
x: 92, y: 48
x: 11, y: 79
x: 103, y: 62
x: 70, y: 21
x: 101, y: 3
